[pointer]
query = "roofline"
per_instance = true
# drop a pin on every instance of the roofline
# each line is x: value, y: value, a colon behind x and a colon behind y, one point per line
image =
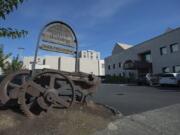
x: 156, y: 37
x: 139, y: 44
x: 166, y: 33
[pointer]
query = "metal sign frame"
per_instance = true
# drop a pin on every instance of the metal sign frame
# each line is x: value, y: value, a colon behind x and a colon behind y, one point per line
x: 39, y: 40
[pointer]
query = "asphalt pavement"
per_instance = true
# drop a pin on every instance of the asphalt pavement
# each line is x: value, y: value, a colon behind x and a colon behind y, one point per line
x: 136, y: 99
x: 163, y: 121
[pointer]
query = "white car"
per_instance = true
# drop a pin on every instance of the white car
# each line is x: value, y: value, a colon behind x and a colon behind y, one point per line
x: 170, y: 79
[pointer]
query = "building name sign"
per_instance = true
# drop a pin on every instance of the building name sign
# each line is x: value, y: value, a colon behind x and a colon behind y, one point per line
x: 58, y: 37
x: 56, y: 49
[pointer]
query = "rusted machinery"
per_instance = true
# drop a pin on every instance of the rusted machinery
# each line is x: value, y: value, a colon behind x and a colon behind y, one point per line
x: 48, y: 88
x: 36, y: 91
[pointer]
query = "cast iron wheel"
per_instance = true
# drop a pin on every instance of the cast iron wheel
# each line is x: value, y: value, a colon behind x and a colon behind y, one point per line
x: 46, y: 90
x: 11, y: 83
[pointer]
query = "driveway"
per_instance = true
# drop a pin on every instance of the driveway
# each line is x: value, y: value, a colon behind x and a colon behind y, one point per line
x: 136, y: 99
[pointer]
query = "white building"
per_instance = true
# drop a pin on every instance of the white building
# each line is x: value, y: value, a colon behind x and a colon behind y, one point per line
x: 89, y: 62
x: 157, y: 55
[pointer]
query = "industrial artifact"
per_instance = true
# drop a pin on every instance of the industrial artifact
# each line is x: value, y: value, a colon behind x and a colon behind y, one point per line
x: 35, y: 91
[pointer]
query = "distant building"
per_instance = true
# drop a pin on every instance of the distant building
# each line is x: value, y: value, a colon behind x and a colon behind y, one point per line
x: 160, y: 54
x: 89, y: 62
x: 89, y: 54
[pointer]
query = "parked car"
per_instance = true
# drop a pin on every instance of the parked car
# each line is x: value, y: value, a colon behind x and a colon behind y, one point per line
x: 148, y: 79
x: 152, y: 79
x: 169, y: 79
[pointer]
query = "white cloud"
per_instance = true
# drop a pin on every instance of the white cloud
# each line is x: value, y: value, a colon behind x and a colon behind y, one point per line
x: 107, y: 8
x: 102, y: 10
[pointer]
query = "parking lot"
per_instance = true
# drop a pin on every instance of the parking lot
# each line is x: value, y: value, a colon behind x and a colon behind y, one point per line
x: 136, y: 99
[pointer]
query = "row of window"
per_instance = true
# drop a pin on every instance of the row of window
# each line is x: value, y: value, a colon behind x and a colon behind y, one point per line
x: 87, y: 56
x: 114, y: 66
x: 176, y: 69
x: 173, y: 48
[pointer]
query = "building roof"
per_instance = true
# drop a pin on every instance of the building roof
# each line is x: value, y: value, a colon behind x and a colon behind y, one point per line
x: 119, y: 47
x: 124, y: 46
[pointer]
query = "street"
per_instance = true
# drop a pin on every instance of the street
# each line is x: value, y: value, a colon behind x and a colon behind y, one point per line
x: 136, y: 99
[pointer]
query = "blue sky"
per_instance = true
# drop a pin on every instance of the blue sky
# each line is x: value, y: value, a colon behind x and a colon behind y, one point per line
x: 98, y: 24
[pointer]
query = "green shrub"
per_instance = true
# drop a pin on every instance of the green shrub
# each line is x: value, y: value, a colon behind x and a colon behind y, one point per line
x: 118, y: 79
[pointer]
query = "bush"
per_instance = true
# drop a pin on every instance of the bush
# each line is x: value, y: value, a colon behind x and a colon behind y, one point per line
x: 118, y: 79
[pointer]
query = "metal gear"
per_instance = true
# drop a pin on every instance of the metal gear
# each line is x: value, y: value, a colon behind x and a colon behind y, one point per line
x: 10, y: 85
x: 46, y: 89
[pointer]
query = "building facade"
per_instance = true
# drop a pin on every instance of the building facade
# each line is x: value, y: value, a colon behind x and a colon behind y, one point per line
x: 157, y: 55
x: 91, y: 63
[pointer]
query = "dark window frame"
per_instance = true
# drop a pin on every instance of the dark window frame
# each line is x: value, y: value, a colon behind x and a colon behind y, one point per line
x: 164, y: 68
x: 44, y: 61
x: 171, y: 47
x: 174, y: 70
x: 109, y: 67
x: 161, y: 50
x: 119, y: 64
x: 114, y: 66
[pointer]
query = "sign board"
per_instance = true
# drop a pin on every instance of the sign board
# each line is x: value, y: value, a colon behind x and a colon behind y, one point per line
x: 60, y: 34
x: 59, y: 37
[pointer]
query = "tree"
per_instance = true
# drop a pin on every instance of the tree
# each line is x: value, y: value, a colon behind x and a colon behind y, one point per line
x: 3, y: 58
x: 13, y: 66
x: 6, y: 7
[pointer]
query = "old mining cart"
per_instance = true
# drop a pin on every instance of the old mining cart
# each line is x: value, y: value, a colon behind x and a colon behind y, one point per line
x: 35, y: 91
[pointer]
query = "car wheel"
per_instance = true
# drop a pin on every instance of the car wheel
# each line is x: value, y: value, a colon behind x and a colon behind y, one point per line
x: 179, y: 83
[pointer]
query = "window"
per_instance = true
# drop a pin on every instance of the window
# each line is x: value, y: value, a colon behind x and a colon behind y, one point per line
x: 176, y: 69
x: 174, y: 47
x: 124, y: 74
x: 146, y: 56
x: 114, y: 66
x: 97, y: 57
x: 163, y: 50
x: 44, y: 61
x: 119, y: 64
x: 165, y: 70
x: 109, y: 67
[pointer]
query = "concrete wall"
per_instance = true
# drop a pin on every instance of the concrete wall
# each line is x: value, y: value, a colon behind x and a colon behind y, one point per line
x: 66, y: 64
x: 52, y: 61
x: 101, y: 68
x: 89, y: 66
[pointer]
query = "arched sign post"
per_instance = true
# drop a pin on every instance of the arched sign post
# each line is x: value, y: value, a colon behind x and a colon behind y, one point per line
x: 58, y: 37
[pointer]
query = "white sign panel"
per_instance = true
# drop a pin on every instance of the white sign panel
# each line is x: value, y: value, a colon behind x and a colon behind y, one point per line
x: 56, y: 49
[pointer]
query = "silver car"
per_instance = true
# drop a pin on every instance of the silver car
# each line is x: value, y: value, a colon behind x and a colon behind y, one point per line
x: 169, y: 79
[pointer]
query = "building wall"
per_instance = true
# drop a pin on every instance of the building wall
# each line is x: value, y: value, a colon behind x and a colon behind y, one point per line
x: 158, y: 61
x: 86, y: 65
x: 67, y: 64
x: 101, y: 68
x: 52, y: 61
x: 89, y: 66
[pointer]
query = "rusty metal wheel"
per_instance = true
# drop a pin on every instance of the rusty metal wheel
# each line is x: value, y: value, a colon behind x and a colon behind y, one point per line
x: 11, y: 83
x: 46, y: 90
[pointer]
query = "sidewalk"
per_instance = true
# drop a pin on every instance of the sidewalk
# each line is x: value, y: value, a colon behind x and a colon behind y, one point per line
x: 164, y: 121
